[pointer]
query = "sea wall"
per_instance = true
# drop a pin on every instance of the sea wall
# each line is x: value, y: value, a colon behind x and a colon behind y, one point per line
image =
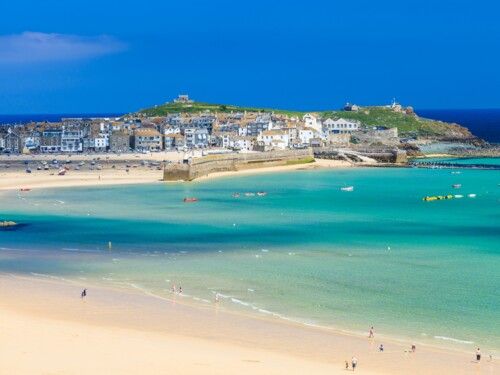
x: 234, y: 162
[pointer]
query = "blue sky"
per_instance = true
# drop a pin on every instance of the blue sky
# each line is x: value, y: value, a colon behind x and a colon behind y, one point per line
x: 102, y: 56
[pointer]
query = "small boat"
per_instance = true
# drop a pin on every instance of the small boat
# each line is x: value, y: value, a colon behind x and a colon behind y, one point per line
x: 187, y: 200
x: 260, y: 193
x: 348, y: 188
x: 456, y: 172
x: 459, y: 196
x: 236, y: 195
x: 62, y: 171
x: 456, y: 186
x: 472, y: 195
x: 25, y: 189
x: 249, y: 194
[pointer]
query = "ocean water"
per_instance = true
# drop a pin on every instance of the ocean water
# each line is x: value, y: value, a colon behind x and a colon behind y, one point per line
x: 426, y: 272
x: 484, y: 123
x: 50, y: 117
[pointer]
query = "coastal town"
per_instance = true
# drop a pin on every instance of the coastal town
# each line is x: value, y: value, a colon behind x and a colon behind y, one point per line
x: 236, y: 131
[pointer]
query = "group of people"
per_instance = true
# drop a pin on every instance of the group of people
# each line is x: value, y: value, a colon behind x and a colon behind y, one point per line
x: 174, y: 289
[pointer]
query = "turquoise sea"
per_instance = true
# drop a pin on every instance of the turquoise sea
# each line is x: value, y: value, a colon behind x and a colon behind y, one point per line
x: 426, y: 272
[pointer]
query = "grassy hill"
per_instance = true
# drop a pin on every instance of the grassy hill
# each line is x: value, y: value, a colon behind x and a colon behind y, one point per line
x: 371, y: 116
x: 165, y: 109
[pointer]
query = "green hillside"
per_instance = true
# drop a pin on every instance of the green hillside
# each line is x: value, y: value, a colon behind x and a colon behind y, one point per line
x: 163, y: 110
x: 370, y: 116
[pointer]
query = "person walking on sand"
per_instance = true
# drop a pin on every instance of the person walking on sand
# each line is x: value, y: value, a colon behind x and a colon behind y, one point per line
x: 372, y: 333
x: 381, y: 348
x: 180, y: 290
x: 84, y: 293
x: 478, y: 354
x: 346, y: 365
x: 413, y: 348
x: 354, y: 363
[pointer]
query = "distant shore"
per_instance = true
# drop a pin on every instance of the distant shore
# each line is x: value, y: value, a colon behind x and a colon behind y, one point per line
x: 114, y: 331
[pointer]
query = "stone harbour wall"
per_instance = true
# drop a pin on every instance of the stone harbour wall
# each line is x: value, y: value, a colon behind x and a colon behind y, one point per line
x: 234, y: 162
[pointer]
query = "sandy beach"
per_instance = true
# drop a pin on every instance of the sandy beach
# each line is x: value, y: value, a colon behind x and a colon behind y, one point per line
x: 48, y: 329
x: 14, y: 177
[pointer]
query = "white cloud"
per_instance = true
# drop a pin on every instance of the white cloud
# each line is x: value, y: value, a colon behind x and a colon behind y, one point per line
x: 42, y: 47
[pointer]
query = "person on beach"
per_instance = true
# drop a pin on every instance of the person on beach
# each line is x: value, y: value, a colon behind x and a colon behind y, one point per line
x: 354, y: 363
x: 180, y: 290
x: 413, y: 348
x: 478, y: 354
x: 84, y: 293
x: 381, y: 348
x: 346, y: 365
x: 372, y: 333
x: 174, y: 288
x: 217, y: 298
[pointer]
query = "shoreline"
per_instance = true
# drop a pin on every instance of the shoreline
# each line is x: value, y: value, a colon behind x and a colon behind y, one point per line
x: 174, y: 330
x: 17, y: 178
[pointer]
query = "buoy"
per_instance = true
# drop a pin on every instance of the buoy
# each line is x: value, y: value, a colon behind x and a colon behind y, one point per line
x: 110, y: 245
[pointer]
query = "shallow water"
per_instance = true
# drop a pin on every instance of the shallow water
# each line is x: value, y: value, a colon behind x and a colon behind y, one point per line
x: 307, y: 251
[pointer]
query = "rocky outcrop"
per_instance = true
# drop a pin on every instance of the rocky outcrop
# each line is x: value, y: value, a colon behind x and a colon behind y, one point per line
x: 412, y: 150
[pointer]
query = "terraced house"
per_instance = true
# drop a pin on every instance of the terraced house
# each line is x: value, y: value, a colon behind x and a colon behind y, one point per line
x: 148, y: 140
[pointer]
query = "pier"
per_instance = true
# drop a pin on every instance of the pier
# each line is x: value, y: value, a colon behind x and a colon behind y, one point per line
x: 448, y: 165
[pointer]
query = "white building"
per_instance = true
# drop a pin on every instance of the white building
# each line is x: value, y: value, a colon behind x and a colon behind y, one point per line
x: 274, y: 138
x: 306, y: 134
x: 311, y: 121
x: 338, y: 125
x: 237, y: 142
x: 72, y: 141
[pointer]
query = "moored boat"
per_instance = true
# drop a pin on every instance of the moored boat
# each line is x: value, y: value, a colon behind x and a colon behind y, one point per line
x: 348, y: 188
x: 25, y: 189
x: 459, y: 196
x: 261, y: 193
x: 187, y: 200
x: 249, y: 194
x: 236, y: 195
x: 472, y: 195
x: 456, y: 186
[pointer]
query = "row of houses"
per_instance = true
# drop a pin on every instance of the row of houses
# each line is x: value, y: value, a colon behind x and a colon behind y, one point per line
x: 237, y: 131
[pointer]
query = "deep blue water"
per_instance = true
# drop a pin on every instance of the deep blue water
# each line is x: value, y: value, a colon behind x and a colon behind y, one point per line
x: 484, y: 123
x: 54, y: 117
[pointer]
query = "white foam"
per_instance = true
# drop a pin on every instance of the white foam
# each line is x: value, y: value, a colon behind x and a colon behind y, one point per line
x: 239, y: 301
x: 83, y: 250
x: 454, y: 340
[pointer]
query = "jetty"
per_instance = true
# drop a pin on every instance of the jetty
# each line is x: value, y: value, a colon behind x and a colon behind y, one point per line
x: 449, y: 165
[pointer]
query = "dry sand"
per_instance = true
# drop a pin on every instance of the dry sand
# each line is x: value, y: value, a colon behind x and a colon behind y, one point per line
x: 48, y: 329
x: 16, y: 178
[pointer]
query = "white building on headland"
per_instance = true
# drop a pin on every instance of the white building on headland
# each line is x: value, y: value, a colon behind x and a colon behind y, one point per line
x: 183, y: 99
